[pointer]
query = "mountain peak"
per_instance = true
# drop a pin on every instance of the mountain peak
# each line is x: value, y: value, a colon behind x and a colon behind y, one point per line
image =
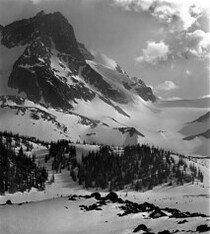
x: 57, y: 13
x: 141, y: 89
x: 53, y: 59
x: 53, y: 27
x: 137, y: 80
x: 53, y: 14
x: 40, y: 14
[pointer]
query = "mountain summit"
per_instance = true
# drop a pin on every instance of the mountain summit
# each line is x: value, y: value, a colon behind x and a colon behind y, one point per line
x: 52, y: 87
x: 53, y: 66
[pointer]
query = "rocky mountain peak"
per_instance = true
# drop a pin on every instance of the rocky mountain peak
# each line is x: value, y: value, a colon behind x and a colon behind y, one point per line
x: 137, y: 85
x: 53, y: 67
x: 137, y: 81
x: 40, y: 14
x: 53, y: 29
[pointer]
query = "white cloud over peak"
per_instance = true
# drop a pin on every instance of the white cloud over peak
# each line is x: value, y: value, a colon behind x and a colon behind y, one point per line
x: 167, y: 86
x: 182, y: 13
x: 182, y: 33
x: 188, y: 44
x: 155, y: 52
x: 198, y: 43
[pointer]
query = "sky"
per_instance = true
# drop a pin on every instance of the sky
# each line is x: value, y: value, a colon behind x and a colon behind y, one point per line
x: 164, y: 42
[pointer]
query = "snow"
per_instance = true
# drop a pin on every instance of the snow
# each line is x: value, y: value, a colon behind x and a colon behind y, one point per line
x: 103, y: 60
x: 22, y: 122
x: 6, y: 64
x: 56, y: 64
x: 85, y: 149
x: 113, y: 77
x: 59, y: 215
x: 50, y: 211
x: 99, y: 110
x: 157, y: 124
x: 191, y: 197
x: 28, y: 66
x: 164, y: 123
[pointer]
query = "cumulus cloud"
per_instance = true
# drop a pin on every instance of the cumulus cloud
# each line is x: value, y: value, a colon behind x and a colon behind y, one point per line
x: 167, y: 86
x: 188, y: 44
x: 198, y: 43
x: 183, y: 33
x: 182, y: 13
x: 155, y: 52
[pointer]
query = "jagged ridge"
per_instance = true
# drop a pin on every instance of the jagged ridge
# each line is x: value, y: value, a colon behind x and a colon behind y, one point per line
x: 49, y: 37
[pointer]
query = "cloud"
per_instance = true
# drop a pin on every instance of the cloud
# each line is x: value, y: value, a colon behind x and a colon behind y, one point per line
x: 188, y: 72
x: 37, y: 2
x: 198, y: 43
x: 190, y: 44
x: 155, y: 52
x: 86, y: 2
x: 205, y: 96
x: 182, y: 31
x: 167, y: 86
x: 183, y: 14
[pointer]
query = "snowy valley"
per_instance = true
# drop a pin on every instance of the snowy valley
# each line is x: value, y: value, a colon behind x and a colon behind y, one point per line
x: 105, y: 154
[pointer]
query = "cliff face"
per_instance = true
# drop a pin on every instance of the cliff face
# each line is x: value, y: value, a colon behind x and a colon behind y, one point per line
x: 53, y: 67
x: 51, y: 28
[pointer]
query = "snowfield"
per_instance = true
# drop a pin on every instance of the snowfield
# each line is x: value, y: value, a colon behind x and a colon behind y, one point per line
x: 61, y: 215
x: 93, y: 102
x: 164, y: 123
x: 99, y: 122
x: 51, y: 211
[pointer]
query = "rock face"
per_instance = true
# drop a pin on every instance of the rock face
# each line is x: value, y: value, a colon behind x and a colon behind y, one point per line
x: 200, y: 127
x: 53, y: 67
x: 203, y: 118
x: 141, y: 227
x: 33, y: 72
x: 203, y: 134
x: 51, y: 28
x: 141, y: 89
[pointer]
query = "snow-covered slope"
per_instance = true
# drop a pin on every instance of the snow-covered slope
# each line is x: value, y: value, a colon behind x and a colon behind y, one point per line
x: 55, y: 210
x: 70, y: 92
x: 22, y: 116
x: 102, y: 59
x: 99, y: 122
x: 66, y: 216
x: 198, y: 131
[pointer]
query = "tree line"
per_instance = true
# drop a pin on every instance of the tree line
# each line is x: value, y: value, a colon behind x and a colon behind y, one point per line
x: 63, y: 154
x: 140, y: 167
x: 25, y: 139
x: 137, y: 167
x: 18, y: 172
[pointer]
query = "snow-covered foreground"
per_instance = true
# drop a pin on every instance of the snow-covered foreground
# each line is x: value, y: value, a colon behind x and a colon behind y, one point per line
x: 62, y: 215
x: 51, y: 211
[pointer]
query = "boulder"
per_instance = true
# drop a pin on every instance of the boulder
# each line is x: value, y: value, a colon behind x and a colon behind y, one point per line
x: 141, y: 227
x: 203, y: 228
